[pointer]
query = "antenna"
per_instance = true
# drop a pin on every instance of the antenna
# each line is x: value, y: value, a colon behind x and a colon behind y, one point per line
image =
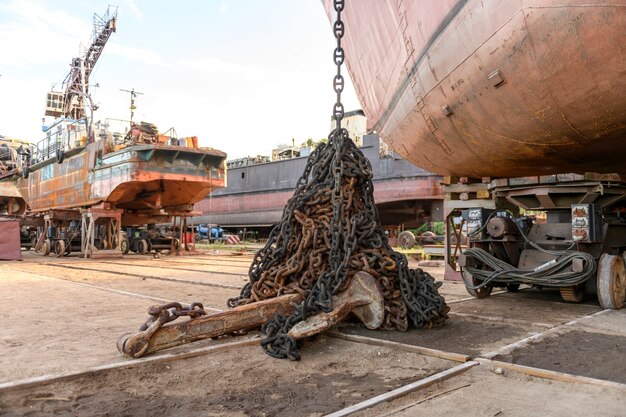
x: 133, y: 94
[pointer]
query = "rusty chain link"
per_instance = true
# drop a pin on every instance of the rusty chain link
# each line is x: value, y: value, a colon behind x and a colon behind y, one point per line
x: 171, y: 312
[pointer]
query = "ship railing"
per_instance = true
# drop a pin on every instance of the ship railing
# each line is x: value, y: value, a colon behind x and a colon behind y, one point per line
x: 117, y: 128
x: 63, y: 135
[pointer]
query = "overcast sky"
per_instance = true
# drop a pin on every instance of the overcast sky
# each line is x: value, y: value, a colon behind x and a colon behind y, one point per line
x: 242, y: 75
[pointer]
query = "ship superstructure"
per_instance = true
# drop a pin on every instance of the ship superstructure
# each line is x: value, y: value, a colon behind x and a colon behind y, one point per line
x: 84, y: 183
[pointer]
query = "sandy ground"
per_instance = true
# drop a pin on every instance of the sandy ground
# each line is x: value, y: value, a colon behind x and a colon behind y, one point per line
x: 63, y: 316
x: 331, y: 376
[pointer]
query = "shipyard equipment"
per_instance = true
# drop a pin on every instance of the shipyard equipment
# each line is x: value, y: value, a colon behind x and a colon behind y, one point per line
x: 523, y: 106
x: 84, y: 185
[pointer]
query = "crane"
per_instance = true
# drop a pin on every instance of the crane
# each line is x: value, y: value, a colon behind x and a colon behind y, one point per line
x: 70, y: 103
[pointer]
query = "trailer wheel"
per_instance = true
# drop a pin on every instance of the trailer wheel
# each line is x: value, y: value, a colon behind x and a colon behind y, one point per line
x: 46, y: 246
x: 406, y: 239
x: 142, y: 247
x: 483, y: 292
x: 59, y: 248
x: 611, y: 282
x: 124, y: 246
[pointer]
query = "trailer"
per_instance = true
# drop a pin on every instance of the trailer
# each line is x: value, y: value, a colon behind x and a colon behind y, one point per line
x: 579, y: 250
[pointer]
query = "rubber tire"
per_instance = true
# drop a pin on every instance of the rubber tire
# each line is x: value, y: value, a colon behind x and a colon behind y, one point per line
x: 125, y: 246
x: 483, y: 292
x: 46, y: 246
x: 59, y: 248
x: 611, y: 282
x: 142, y: 247
x: 427, y: 238
x: 406, y: 240
x: 60, y: 156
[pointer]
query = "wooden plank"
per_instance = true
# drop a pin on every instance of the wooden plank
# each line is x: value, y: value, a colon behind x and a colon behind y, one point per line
x: 456, y: 357
x: 499, y: 182
x: 483, y: 194
x: 547, y: 179
x: 464, y: 188
x: 523, y: 181
x: 459, y: 204
x: 553, y: 375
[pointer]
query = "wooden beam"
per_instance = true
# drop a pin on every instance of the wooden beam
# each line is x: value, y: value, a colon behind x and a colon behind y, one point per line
x: 553, y: 375
x: 456, y: 357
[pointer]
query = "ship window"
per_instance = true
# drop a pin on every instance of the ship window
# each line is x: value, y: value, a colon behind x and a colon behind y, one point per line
x: 243, y: 175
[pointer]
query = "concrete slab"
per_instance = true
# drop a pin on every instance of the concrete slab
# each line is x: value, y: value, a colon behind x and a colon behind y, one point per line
x: 481, y: 392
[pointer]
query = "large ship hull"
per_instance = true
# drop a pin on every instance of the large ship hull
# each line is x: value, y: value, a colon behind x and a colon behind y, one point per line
x: 142, y: 179
x: 257, y: 194
x: 490, y: 88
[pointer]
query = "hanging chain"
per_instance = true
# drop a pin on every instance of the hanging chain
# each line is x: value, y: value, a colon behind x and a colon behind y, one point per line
x: 338, y: 57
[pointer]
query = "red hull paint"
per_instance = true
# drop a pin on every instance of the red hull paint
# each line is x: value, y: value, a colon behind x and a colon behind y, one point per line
x: 487, y: 88
x: 387, y: 191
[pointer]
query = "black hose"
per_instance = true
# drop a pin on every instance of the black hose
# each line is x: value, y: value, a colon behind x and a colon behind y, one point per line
x: 551, y: 274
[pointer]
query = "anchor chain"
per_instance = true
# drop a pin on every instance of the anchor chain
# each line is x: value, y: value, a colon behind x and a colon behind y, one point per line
x: 172, y: 311
x: 329, y: 231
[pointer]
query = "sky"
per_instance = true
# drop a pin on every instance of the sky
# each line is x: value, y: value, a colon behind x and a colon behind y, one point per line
x: 242, y: 75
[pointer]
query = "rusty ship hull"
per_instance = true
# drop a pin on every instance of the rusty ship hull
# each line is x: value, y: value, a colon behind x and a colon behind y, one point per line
x: 490, y: 88
x: 257, y: 194
x: 142, y: 179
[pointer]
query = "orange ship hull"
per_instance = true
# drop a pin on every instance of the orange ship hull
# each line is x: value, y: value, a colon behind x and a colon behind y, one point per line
x: 493, y: 89
x: 146, y: 179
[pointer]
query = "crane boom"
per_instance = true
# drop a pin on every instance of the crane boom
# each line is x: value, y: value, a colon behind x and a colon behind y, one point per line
x: 70, y: 103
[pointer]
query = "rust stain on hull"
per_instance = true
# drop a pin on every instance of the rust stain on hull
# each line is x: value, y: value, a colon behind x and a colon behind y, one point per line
x: 139, y: 178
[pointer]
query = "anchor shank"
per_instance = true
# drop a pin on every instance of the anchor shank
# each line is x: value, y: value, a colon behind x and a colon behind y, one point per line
x: 246, y: 317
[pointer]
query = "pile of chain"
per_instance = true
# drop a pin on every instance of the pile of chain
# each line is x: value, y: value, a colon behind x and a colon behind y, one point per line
x: 329, y: 231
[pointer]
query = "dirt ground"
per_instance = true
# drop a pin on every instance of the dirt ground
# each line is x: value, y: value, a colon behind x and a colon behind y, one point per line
x: 330, y: 376
x: 62, y: 317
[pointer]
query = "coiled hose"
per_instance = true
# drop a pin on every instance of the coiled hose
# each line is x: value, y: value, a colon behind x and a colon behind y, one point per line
x: 550, y: 274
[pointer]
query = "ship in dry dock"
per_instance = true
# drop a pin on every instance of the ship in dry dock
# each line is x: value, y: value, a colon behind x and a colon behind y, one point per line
x: 83, y: 183
x: 260, y: 186
x: 522, y: 105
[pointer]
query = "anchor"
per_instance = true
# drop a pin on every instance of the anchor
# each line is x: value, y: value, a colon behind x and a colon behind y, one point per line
x: 363, y: 298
